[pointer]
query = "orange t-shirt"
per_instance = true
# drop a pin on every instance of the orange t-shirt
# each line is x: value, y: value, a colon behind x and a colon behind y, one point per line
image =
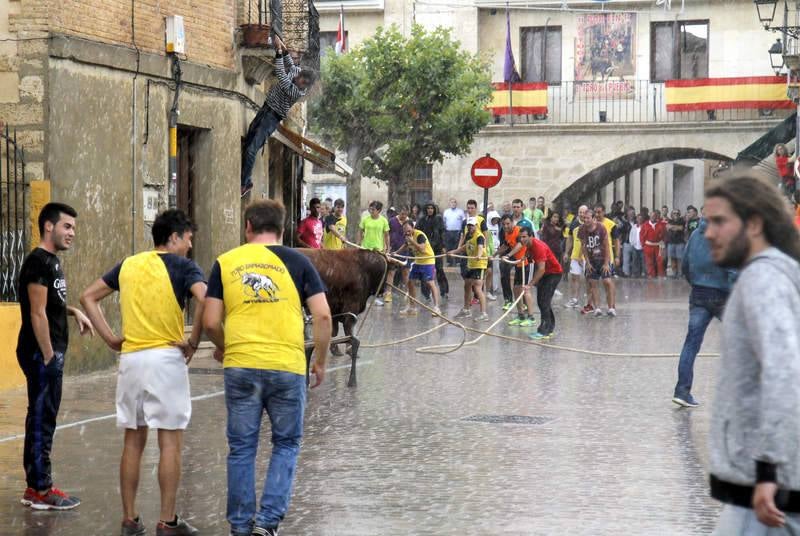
x: 511, y: 239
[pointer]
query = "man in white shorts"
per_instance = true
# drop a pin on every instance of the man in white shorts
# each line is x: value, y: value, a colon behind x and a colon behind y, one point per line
x: 573, y: 253
x: 153, y: 288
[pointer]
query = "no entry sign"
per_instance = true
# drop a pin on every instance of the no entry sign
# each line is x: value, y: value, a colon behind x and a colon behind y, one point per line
x: 486, y: 172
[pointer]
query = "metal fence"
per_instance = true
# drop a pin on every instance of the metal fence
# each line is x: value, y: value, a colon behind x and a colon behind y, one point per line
x: 627, y: 101
x: 13, y: 214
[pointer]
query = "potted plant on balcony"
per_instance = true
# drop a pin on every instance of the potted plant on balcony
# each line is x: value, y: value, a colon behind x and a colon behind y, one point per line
x: 256, y: 34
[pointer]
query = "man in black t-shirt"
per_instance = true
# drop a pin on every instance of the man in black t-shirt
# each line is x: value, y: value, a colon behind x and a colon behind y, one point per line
x: 41, y: 346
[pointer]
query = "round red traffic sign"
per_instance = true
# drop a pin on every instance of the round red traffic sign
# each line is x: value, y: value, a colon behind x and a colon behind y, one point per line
x: 486, y: 172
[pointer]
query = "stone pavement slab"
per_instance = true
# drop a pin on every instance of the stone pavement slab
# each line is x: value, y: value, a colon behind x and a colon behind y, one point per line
x: 594, y: 446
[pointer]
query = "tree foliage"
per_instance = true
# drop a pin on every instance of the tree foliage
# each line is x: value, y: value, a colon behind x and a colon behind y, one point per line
x: 396, y: 103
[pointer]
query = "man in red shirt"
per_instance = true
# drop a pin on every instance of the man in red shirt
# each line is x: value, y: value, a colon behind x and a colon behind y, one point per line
x: 309, y: 232
x: 521, y: 273
x: 652, y: 236
x: 546, y: 276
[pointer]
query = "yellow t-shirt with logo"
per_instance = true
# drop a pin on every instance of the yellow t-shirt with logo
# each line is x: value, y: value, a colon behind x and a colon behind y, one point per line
x: 330, y: 240
x: 425, y: 257
x: 263, y: 288
x: 472, y: 251
x: 577, y: 247
x: 152, y: 289
x: 609, y: 225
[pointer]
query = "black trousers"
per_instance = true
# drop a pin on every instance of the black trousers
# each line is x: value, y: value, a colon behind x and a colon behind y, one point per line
x: 544, y: 300
x: 505, y: 281
x: 44, y: 399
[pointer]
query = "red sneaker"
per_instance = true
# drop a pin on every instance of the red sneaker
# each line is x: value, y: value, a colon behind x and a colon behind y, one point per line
x: 588, y: 308
x: 54, y: 499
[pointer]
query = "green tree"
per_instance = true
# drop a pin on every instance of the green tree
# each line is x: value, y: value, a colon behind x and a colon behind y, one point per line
x: 396, y: 103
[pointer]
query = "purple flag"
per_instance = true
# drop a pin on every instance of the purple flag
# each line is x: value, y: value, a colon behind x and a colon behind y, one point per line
x: 510, y: 74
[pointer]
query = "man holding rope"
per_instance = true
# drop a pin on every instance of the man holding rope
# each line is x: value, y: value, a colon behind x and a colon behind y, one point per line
x: 546, y: 276
x: 521, y: 273
x: 474, y: 243
x: 423, y: 269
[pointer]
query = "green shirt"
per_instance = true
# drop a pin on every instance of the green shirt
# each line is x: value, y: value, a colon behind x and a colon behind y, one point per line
x: 537, y: 218
x: 373, y: 229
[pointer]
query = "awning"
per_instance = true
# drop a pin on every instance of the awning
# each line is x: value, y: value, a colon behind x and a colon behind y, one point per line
x: 764, y: 146
x: 312, y: 151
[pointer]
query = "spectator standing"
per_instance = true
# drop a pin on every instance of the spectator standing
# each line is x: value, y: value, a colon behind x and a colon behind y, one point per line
x: 309, y: 232
x: 397, y: 241
x: 676, y: 238
x: 754, y: 430
x: 627, y: 221
x: 335, y: 227
x: 454, y: 219
x: 551, y: 234
x: 652, y: 237
x: 432, y: 224
x: 784, y: 164
x: 637, y: 255
x: 692, y: 220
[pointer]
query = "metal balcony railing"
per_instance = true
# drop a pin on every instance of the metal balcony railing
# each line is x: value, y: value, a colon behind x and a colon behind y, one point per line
x: 628, y: 101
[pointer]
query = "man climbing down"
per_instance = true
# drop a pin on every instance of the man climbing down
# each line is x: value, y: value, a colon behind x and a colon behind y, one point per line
x: 290, y: 87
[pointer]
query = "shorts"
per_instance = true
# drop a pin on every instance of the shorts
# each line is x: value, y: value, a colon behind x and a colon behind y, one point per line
x: 675, y: 251
x: 597, y: 271
x: 423, y: 272
x: 518, y: 275
x: 153, y: 390
x: 475, y: 273
x: 577, y: 267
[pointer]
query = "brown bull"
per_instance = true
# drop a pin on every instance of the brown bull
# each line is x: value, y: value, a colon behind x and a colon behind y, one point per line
x: 352, y: 276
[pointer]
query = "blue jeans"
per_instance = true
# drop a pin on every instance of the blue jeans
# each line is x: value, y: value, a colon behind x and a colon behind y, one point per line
x: 248, y: 392
x: 704, y: 304
x: 261, y: 128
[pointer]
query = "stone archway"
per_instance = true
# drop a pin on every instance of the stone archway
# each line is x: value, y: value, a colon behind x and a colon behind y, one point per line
x: 607, y: 173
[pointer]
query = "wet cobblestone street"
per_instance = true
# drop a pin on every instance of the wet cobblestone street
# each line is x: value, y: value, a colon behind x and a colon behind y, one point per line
x: 604, y: 453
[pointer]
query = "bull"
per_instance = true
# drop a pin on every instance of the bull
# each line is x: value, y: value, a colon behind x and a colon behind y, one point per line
x: 352, y: 276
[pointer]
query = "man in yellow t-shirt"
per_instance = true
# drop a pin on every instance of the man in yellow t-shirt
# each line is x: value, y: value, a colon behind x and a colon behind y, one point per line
x: 259, y: 290
x: 573, y: 257
x: 423, y: 269
x: 335, y: 226
x: 153, y: 287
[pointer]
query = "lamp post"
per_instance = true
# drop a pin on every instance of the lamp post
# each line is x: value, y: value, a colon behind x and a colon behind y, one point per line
x: 766, y: 11
x: 776, y: 57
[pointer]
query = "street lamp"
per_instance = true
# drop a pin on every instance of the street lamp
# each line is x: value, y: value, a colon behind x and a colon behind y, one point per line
x: 776, y: 56
x: 766, y: 11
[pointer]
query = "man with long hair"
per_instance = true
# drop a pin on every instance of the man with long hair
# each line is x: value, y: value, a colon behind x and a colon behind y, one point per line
x: 755, y: 425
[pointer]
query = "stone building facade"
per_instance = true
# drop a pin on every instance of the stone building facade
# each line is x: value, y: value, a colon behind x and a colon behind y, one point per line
x: 88, y: 88
x: 546, y: 154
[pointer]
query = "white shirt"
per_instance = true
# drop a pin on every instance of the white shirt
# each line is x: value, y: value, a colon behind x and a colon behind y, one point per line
x: 633, y: 238
x: 453, y: 219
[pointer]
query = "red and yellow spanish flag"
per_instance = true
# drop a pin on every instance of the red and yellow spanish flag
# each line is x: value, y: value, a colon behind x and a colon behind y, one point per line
x: 764, y: 92
x: 526, y: 98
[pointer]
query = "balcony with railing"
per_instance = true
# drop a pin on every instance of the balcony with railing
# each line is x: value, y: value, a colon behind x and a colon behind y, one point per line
x: 642, y: 101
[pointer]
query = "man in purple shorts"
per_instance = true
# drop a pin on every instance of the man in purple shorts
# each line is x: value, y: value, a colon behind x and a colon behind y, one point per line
x: 423, y: 269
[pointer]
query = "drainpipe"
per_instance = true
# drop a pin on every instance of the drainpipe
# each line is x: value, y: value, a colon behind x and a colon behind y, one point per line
x: 134, y: 186
x: 173, y: 134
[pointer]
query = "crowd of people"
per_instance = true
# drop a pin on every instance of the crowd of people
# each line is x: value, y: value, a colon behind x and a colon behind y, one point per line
x: 496, y: 251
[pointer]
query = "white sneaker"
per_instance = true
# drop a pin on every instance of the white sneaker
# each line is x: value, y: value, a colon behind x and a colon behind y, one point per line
x: 379, y: 302
x: 558, y: 293
x: 436, y: 311
x: 483, y: 317
x: 464, y: 313
x: 572, y: 303
x: 490, y: 296
x: 611, y: 312
x: 598, y: 312
x: 404, y: 311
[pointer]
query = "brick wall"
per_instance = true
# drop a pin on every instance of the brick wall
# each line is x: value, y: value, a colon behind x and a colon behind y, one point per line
x: 209, y: 25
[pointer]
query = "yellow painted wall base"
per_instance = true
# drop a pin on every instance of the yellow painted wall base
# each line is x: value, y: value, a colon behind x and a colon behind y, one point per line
x: 10, y: 374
